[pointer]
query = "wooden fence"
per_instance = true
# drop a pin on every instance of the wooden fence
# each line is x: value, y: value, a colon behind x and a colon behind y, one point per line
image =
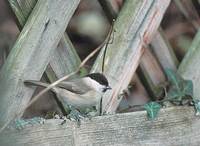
x: 43, y: 25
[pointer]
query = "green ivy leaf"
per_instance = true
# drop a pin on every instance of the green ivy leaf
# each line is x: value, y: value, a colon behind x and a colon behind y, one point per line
x: 179, y: 88
x: 152, y: 109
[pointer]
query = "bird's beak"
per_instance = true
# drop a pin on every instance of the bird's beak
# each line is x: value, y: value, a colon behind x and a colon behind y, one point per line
x: 108, y: 88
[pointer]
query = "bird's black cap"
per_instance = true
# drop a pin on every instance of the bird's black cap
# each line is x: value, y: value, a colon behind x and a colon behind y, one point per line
x: 99, y: 77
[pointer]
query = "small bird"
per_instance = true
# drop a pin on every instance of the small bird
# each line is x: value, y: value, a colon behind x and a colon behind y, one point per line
x: 85, y: 92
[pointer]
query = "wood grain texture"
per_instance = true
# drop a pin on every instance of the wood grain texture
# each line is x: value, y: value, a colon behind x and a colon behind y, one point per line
x: 152, y: 72
x: 189, y: 67
x: 139, y: 93
x: 174, y: 126
x: 136, y: 23
x: 163, y: 51
x: 31, y: 53
x: 64, y: 59
x: 22, y: 10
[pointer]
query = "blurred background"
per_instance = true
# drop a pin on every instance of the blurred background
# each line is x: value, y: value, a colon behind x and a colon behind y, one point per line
x: 89, y: 27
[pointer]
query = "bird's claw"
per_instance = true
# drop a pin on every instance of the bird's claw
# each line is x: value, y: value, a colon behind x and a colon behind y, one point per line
x: 75, y: 115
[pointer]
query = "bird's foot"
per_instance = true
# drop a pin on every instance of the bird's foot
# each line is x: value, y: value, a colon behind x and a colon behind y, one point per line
x: 75, y: 115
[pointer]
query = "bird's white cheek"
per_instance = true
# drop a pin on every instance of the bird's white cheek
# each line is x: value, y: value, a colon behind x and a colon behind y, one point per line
x: 95, y: 85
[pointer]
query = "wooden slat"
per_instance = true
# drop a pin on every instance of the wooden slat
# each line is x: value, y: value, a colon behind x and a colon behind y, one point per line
x: 31, y: 53
x: 159, y: 43
x: 64, y: 59
x: 189, y: 67
x: 163, y: 51
x: 136, y: 23
x: 153, y: 74
x: 174, y: 126
x: 139, y: 92
x: 22, y: 10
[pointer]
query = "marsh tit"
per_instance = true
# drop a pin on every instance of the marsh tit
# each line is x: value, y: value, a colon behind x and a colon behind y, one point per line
x: 80, y: 93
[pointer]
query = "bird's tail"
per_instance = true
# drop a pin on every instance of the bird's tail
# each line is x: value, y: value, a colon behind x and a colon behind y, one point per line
x: 36, y: 83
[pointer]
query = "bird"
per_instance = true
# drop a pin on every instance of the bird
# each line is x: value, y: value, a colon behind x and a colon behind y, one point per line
x: 79, y: 93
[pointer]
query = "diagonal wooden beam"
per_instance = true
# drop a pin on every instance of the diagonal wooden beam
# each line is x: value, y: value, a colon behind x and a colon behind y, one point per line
x: 136, y: 23
x: 31, y: 53
x: 189, y: 67
x: 163, y: 51
x: 139, y: 93
x: 64, y: 59
x: 152, y: 73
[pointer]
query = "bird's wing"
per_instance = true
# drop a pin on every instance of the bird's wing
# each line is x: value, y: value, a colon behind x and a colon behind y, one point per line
x: 75, y: 86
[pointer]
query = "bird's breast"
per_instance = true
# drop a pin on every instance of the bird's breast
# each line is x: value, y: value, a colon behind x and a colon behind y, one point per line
x: 88, y: 99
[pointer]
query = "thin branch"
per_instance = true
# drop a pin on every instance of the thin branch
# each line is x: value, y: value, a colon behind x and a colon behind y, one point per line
x: 109, y: 36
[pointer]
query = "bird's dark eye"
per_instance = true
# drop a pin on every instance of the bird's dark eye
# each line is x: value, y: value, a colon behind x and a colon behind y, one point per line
x: 104, y: 89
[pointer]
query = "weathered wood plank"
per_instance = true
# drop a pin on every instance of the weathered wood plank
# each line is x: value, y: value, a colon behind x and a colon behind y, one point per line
x: 136, y: 23
x: 174, y: 126
x: 22, y: 10
x: 189, y: 67
x: 64, y: 59
x: 31, y: 53
x: 159, y: 43
x: 139, y: 93
x: 152, y: 72
x: 163, y: 51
